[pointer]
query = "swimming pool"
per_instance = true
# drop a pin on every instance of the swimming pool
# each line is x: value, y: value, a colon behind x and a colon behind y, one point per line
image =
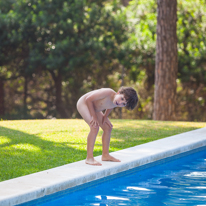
x: 173, y: 181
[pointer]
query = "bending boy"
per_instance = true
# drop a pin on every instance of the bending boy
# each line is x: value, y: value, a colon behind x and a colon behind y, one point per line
x: 90, y: 107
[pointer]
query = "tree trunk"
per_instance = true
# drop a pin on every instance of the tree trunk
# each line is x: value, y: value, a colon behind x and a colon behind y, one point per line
x: 166, y: 61
x: 125, y: 2
x: 2, y: 108
x: 58, y: 86
x: 25, y: 96
x: 122, y: 84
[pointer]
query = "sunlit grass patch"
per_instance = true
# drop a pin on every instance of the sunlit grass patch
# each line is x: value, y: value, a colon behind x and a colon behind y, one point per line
x: 28, y: 146
x: 4, y: 140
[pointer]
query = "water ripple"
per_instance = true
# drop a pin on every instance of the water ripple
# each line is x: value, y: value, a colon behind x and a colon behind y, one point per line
x: 180, y: 182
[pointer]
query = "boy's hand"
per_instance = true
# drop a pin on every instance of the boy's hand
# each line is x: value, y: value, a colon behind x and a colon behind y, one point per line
x: 94, y: 122
x: 105, y: 120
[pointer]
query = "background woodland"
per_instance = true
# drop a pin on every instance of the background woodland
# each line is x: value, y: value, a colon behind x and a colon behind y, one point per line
x: 54, y: 51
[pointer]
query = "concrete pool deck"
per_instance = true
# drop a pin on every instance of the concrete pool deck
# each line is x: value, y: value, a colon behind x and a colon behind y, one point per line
x: 23, y: 189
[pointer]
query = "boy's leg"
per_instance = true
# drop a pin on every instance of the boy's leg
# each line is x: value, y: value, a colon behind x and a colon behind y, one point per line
x: 106, y: 139
x: 90, y: 146
x: 84, y: 112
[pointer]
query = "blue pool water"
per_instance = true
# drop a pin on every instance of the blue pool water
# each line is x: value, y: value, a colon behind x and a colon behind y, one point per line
x: 176, y: 182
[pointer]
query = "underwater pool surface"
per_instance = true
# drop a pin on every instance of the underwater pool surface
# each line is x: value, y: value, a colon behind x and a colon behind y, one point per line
x: 177, y: 182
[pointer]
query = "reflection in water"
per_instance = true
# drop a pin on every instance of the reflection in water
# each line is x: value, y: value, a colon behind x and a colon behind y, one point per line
x: 138, y: 188
x: 103, y: 197
x: 196, y: 174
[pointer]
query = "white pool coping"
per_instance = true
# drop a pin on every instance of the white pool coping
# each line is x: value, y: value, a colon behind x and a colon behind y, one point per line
x: 22, y: 189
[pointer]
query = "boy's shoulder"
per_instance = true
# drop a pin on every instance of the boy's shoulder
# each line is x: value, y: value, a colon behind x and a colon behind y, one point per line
x: 107, y: 91
x: 102, y: 92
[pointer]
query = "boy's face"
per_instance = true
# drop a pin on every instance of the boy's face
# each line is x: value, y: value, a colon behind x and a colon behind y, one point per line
x: 120, y: 100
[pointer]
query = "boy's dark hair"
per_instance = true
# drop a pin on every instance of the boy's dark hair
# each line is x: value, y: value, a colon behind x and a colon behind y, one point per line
x: 131, y: 97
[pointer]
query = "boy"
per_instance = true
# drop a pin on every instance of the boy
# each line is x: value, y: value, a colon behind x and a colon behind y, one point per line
x: 90, y: 107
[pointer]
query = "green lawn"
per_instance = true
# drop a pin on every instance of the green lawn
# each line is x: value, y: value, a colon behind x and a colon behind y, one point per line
x: 29, y: 146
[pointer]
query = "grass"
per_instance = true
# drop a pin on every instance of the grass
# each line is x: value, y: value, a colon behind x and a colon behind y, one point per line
x: 29, y: 146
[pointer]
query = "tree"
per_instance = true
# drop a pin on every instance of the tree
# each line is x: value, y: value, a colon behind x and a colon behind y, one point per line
x: 166, y: 61
x: 63, y: 38
x: 191, y: 33
x: 191, y: 80
x: 7, y: 47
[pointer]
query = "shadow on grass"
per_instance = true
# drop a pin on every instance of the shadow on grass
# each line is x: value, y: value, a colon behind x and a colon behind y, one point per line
x: 22, y: 153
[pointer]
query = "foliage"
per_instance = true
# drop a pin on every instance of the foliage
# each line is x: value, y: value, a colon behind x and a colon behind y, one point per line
x: 54, y: 51
x: 192, y: 41
x: 192, y: 52
x: 191, y: 80
x: 66, y: 38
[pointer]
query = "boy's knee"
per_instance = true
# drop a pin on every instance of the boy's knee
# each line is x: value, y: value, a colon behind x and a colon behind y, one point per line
x: 94, y: 129
x: 107, y: 128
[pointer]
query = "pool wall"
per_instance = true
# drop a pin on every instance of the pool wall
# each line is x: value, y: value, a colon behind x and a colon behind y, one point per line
x: 33, y: 186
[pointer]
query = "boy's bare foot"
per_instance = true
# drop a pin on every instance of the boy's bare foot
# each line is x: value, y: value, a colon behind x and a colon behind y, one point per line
x: 109, y: 158
x: 93, y: 162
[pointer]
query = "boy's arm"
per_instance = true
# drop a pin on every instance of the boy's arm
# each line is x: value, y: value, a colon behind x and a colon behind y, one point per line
x: 90, y: 105
x: 105, y: 118
x: 107, y: 112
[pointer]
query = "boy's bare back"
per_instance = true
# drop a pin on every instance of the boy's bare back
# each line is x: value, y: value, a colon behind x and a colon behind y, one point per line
x: 102, y: 99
